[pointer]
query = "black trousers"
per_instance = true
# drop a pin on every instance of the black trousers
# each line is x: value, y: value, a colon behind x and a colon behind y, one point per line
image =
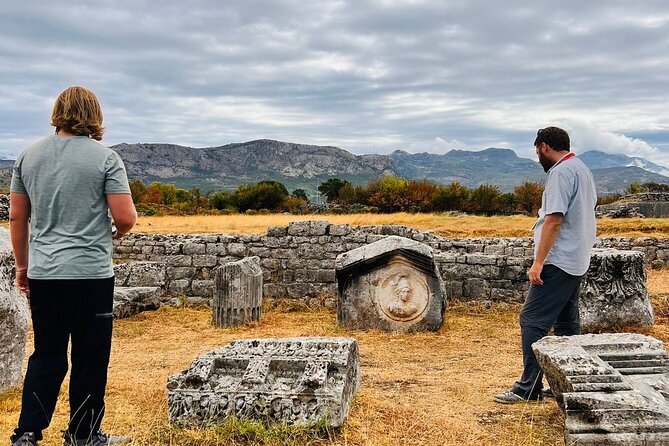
x: 551, y: 305
x: 62, y: 309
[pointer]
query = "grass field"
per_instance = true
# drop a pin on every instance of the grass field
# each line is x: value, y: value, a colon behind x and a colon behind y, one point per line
x: 442, y: 224
x: 417, y: 389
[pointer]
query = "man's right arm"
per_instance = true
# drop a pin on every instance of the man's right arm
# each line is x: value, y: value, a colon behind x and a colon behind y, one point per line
x: 123, y: 212
x: 19, y: 230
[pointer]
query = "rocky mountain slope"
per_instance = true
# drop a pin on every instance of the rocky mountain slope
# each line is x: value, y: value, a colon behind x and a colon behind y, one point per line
x: 307, y: 166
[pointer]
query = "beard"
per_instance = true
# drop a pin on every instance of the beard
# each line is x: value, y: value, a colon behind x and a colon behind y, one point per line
x: 545, y: 162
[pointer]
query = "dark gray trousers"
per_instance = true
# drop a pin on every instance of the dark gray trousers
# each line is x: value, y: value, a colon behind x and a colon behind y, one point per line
x: 551, y: 305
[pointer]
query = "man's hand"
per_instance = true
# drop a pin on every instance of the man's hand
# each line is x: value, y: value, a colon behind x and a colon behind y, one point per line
x: 22, y: 281
x: 535, y: 273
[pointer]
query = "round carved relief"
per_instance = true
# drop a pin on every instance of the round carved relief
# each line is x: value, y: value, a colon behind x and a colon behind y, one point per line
x: 402, y: 294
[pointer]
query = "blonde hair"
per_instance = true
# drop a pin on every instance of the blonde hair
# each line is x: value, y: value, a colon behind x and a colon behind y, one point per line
x: 78, y: 111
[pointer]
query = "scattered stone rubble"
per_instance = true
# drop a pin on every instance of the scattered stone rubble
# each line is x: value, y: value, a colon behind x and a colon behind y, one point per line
x: 392, y: 284
x: 647, y: 204
x: 139, y: 286
x: 13, y: 319
x: 237, y: 293
x: 613, y: 388
x: 4, y: 207
x: 613, y: 292
x: 297, y: 381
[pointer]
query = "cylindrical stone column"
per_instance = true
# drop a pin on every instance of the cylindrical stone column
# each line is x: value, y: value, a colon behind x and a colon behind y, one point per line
x: 238, y: 288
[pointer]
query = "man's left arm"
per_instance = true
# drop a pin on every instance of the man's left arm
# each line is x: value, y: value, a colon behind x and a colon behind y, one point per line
x: 19, y: 229
x: 549, y: 233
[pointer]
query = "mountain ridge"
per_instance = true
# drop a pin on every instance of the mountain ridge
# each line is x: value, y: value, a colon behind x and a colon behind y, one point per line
x: 305, y: 166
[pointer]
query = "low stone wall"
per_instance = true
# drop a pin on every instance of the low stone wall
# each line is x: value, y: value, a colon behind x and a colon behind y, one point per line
x: 647, y: 204
x: 298, y: 261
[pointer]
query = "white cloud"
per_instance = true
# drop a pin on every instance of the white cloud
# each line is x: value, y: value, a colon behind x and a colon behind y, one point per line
x: 587, y: 136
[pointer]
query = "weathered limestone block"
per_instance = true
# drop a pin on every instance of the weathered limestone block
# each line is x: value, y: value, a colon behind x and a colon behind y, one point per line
x: 297, y: 381
x: 140, y: 274
x: 13, y: 319
x: 238, y: 288
x: 129, y: 301
x: 613, y: 388
x: 613, y: 291
x: 392, y: 284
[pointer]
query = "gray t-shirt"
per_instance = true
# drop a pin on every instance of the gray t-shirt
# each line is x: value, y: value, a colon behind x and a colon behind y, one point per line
x: 570, y: 190
x: 66, y: 179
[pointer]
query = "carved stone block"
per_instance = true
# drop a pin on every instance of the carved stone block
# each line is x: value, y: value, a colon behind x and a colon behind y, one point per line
x: 297, y: 381
x: 13, y: 319
x: 140, y: 274
x: 129, y: 301
x: 392, y: 284
x: 238, y: 288
x: 613, y: 388
x: 613, y: 291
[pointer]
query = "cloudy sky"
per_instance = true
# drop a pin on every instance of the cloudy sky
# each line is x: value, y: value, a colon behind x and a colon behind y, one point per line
x: 370, y: 76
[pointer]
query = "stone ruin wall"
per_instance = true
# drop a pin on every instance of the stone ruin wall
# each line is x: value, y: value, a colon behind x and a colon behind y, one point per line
x: 647, y: 197
x: 298, y: 261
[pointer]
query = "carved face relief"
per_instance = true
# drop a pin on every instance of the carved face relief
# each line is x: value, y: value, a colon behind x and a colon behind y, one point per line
x: 402, y: 293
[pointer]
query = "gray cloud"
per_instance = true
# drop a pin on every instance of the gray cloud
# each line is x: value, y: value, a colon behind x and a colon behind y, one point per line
x: 368, y: 76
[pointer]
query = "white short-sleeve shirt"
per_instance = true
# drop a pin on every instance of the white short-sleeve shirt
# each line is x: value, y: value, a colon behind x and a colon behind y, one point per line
x: 570, y: 190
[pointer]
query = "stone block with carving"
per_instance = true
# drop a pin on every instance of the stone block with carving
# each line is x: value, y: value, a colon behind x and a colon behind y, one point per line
x: 129, y: 301
x: 392, y: 284
x: 613, y: 388
x: 613, y: 291
x: 140, y: 274
x: 297, y: 381
x: 238, y: 292
x: 14, y: 317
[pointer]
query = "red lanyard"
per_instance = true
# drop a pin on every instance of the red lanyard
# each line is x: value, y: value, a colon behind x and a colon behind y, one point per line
x: 566, y: 157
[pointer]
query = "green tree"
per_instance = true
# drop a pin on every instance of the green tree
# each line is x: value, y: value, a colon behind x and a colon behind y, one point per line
x: 168, y: 192
x: 634, y: 188
x: 350, y: 194
x: 484, y: 199
x: 452, y: 198
x: 263, y: 195
x: 221, y: 200
x: 330, y: 188
x: 138, y: 190
x: 301, y: 194
x: 390, y: 194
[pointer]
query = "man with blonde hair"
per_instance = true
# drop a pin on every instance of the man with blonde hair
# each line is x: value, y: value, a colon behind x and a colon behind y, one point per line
x: 63, y: 190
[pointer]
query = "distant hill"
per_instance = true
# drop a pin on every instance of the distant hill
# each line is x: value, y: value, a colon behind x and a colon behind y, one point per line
x: 307, y: 166
x: 500, y: 167
x: 616, y: 179
x: 595, y: 159
x: 226, y: 167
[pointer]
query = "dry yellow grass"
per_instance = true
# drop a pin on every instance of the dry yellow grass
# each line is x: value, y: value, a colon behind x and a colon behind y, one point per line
x: 658, y: 282
x: 417, y: 389
x: 442, y: 224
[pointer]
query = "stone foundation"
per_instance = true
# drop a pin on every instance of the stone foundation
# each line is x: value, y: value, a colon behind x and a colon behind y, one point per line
x: 298, y: 261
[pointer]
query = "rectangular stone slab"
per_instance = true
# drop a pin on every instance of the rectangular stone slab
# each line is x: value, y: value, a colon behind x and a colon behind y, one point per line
x: 298, y: 381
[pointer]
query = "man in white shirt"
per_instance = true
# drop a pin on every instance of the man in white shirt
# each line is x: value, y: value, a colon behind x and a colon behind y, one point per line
x: 563, y: 238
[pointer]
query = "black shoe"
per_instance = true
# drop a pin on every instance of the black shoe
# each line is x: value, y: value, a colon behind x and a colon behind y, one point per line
x: 27, y: 439
x: 509, y: 397
x: 547, y: 392
x: 97, y: 439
